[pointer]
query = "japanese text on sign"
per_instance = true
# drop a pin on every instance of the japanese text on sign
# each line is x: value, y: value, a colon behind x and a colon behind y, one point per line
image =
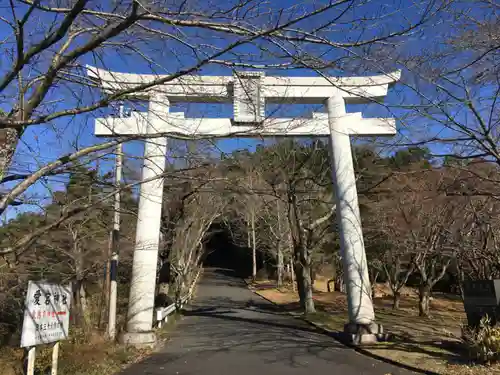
x: 46, y: 313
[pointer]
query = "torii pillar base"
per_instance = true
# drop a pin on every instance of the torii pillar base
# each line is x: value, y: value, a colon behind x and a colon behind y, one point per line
x: 140, y: 340
x: 364, y: 334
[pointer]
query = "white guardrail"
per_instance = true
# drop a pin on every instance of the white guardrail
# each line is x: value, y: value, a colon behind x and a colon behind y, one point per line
x: 162, y: 313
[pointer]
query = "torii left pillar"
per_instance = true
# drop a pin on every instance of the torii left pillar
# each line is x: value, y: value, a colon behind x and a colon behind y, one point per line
x: 139, y: 330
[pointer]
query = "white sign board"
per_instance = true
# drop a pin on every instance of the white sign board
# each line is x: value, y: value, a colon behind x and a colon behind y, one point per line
x: 46, y: 313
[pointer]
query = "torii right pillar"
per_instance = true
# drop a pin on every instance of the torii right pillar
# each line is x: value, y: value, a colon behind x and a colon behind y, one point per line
x: 361, y: 328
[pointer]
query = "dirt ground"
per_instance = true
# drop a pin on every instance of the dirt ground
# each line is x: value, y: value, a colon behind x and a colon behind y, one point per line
x: 428, y: 343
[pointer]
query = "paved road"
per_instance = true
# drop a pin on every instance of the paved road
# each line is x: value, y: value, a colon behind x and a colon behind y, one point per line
x: 230, y: 330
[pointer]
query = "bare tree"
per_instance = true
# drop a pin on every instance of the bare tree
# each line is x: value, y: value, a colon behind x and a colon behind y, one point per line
x: 476, y: 240
x: 449, y: 96
x: 276, y: 232
x: 426, y: 219
x: 397, y: 260
x: 397, y: 272
x: 298, y: 175
x: 48, y: 45
x: 84, y: 30
x: 201, y: 203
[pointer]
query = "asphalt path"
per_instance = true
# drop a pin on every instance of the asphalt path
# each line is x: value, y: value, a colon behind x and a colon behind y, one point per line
x: 228, y: 329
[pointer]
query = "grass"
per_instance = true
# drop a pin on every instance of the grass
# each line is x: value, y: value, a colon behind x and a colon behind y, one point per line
x: 85, y: 353
x: 431, y: 344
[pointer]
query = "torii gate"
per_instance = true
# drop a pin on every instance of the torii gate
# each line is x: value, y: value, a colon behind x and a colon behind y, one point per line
x: 249, y: 92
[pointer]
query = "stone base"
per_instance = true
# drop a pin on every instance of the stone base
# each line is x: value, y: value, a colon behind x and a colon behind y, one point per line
x: 138, y: 339
x: 363, y: 334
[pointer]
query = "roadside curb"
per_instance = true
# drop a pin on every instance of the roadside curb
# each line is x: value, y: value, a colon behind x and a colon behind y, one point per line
x: 337, y: 338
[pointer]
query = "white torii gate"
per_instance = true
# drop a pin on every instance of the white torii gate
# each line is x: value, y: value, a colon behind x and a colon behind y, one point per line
x: 249, y: 92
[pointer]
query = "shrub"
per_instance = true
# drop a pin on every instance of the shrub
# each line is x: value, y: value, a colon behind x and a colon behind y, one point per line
x: 483, y: 342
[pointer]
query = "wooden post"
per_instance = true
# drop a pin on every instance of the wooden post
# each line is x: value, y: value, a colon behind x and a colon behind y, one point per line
x: 30, y: 368
x: 113, y: 286
x: 55, y: 358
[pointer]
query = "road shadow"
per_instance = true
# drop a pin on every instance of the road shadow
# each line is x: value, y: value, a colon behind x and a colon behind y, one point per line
x: 225, y: 272
x: 452, y: 352
x: 223, y: 277
x: 269, y: 336
x: 213, y: 312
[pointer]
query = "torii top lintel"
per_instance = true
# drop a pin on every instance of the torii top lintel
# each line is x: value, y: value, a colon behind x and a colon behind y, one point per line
x: 274, y: 89
x: 249, y: 92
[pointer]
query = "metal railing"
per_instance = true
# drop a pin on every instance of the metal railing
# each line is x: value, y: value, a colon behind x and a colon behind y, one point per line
x: 162, y: 313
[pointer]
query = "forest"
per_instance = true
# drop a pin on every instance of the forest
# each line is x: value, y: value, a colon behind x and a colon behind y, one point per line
x: 427, y: 223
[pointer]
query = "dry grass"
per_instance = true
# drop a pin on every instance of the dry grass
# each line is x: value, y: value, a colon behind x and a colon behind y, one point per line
x: 83, y: 354
x: 428, y: 343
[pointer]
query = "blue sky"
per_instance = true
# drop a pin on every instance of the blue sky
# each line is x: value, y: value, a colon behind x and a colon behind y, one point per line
x: 41, y: 144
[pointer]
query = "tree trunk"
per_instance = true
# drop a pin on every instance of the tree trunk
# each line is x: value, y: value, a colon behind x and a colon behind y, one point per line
x: 280, y: 267
x: 79, y: 289
x: 84, y: 305
x: 396, y: 299
x: 461, y: 280
x: 374, y: 284
x: 8, y: 143
x: 81, y: 311
x: 278, y: 248
x: 339, y: 283
x: 76, y: 308
x: 329, y: 284
x: 462, y: 293
x: 312, y: 274
x: 164, y: 280
x: 249, y: 237
x: 299, y: 282
x: 338, y: 277
x: 424, y: 294
x: 292, y: 275
x: 304, y: 282
x: 254, y: 247
x: 307, y: 301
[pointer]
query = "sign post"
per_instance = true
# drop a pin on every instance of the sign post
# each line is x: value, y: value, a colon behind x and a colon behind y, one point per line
x: 46, y: 319
x: 481, y: 298
x: 31, y: 360
x: 55, y: 358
